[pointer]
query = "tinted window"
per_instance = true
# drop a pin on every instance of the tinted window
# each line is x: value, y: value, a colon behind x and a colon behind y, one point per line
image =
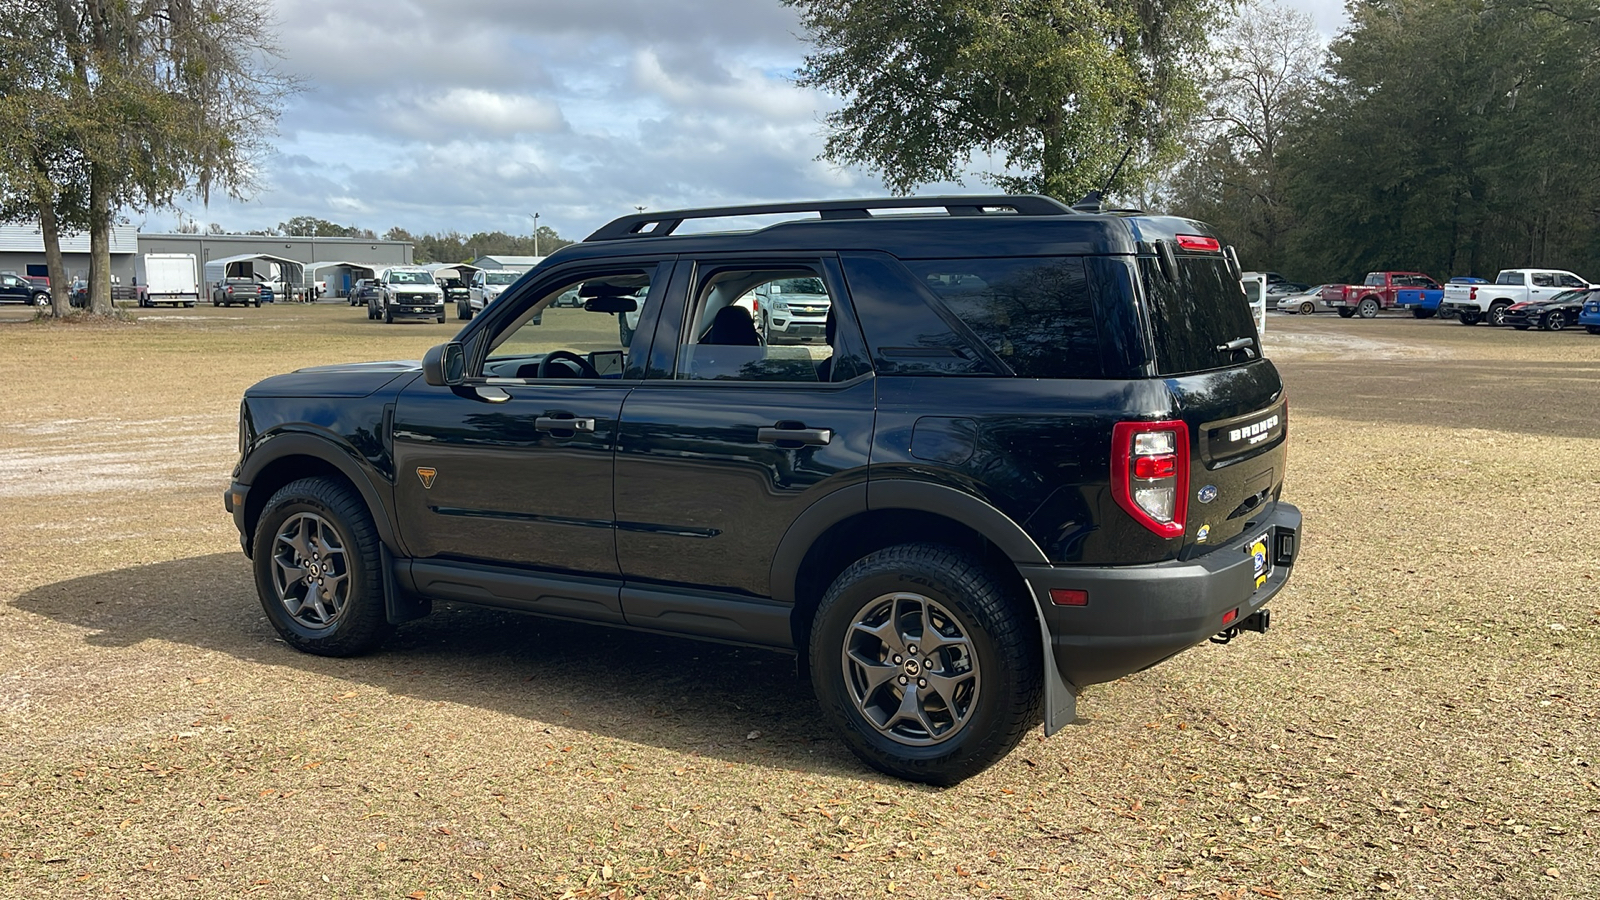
x: 1543, y: 279
x: 1192, y: 319
x: 1035, y: 314
x: 1508, y: 278
x: 1374, y: 279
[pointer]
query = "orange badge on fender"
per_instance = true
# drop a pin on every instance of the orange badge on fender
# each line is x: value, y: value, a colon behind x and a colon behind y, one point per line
x: 426, y: 473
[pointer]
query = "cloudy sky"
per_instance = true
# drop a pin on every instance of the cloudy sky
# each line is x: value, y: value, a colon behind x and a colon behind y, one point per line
x: 471, y: 115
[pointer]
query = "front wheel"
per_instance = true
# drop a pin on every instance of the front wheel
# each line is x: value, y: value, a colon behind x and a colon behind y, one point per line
x: 1307, y: 308
x: 926, y: 664
x: 388, y: 314
x: 1367, y: 308
x: 41, y: 299
x: 317, y: 569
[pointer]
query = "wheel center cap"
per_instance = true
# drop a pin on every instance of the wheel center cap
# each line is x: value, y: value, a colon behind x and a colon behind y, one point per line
x: 913, y: 667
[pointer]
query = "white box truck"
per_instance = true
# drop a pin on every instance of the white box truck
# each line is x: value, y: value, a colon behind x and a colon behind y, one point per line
x: 170, y: 278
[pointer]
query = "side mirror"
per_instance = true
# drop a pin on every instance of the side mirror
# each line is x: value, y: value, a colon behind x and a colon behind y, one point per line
x: 445, y: 365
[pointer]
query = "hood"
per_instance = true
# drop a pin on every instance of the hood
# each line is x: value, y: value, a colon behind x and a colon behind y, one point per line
x: 344, y: 380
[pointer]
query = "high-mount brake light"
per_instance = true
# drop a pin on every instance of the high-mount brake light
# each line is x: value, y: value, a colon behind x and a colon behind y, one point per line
x: 1199, y: 242
x: 1150, y: 473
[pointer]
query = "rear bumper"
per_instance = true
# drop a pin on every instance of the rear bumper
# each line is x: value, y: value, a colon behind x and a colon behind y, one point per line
x: 1459, y: 306
x: 1138, y: 616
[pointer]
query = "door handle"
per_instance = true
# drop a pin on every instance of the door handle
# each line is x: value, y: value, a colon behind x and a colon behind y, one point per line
x: 776, y: 434
x: 564, y: 423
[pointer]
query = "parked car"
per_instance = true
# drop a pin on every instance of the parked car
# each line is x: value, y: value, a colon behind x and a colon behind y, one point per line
x: 17, y: 289
x: 407, y: 292
x: 1306, y: 301
x: 1474, y: 303
x: 1553, y: 314
x: 1589, y: 318
x: 241, y: 291
x: 1425, y: 303
x: 487, y: 284
x: 1023, y: 460
x: 790, y: 310
x: 1377, y: 292
x: 360, y: 293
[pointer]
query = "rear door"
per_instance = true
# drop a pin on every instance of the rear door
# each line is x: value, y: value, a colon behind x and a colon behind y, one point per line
x: 729, y: 439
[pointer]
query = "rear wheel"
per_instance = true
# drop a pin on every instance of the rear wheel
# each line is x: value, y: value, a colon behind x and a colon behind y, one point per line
x: 317, y: 569
x: 1367, y: 308
x: 924, y: 664
x: 1497, y: 314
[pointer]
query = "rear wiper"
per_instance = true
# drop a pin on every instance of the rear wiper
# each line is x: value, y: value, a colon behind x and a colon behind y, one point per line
x: 1242, y: 343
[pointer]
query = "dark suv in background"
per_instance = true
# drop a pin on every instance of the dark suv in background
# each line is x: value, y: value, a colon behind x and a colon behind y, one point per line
x: 1036, y: 448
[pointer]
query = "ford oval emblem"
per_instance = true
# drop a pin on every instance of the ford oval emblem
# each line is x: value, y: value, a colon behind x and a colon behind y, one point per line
x: 1207, y: 494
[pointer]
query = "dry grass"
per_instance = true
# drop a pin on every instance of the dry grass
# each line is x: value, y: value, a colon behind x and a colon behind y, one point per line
x: 1421, y: 722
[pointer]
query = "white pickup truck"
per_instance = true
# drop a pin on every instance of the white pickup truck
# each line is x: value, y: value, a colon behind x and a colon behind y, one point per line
x: 1474, y: 303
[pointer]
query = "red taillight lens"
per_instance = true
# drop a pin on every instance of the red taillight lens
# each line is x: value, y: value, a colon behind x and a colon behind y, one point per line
x: 1150, y: 473
x: 1151, y: 467
x: 1472, y: 294
x: 1198, y: 242
x: 1069, y: 597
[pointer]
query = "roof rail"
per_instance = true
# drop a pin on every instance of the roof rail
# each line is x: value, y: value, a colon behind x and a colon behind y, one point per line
x: 662, y: 224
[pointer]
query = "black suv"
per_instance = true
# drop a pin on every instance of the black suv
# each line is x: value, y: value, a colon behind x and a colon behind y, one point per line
x: 1037, y: 448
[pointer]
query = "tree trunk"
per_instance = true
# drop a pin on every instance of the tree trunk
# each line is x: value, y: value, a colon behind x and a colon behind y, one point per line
x: 57, y: 270
x: 99, y: 243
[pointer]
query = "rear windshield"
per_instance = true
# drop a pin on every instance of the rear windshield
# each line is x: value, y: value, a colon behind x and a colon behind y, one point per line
x: 1035, y: 314
x: 1193, y: 321
x: 1508, y: 278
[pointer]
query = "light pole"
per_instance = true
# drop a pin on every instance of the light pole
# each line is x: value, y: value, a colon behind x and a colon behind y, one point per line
x: 535, y: 234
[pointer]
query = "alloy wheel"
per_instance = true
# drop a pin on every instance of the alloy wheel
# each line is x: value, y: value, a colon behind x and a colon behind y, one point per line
x: 311, y: 570
x: 910, y: 669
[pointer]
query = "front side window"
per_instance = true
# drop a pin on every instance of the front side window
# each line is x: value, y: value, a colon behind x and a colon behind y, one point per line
x: 1035, y: 314
x: 758, y: 324
x: 589, y: 339
x: 1570, y: 281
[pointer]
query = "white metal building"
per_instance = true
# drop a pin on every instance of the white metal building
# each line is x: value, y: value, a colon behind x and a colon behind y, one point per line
x: 22, y: 252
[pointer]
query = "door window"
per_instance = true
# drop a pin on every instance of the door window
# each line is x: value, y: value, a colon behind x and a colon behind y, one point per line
x: 582, y: 328
x: 759, y: 324
x: 1570, y: 281
x: 1543, y: 279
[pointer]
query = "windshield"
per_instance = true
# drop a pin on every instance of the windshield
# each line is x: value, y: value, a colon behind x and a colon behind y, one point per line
x: 410, y: 278
x: 798, y: 286
x: 501, y: 277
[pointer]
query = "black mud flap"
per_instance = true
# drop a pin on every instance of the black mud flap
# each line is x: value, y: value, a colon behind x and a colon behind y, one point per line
x: 400, y: 605
x: 1060, y: 696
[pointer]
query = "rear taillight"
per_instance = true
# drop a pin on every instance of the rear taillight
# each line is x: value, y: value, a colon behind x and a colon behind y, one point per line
x: 1472, y: 294
x: 1150, y: 473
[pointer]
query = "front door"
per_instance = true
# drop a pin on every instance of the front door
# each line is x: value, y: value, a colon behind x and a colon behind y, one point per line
x: 515, y: 466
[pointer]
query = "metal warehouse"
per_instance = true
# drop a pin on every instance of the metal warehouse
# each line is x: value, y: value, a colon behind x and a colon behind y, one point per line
x: 334, y: 260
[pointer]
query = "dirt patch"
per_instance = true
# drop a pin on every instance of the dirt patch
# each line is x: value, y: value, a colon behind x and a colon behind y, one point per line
x: 1420, y: 722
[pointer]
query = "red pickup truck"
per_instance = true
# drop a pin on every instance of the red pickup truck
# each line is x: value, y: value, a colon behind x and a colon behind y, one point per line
x: 1377, y: 292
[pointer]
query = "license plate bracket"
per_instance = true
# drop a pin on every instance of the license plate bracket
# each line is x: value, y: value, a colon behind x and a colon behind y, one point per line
x: 1260, y: 552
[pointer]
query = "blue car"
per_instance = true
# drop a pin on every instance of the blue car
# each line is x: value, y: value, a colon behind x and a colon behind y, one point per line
x: 1589, y: 316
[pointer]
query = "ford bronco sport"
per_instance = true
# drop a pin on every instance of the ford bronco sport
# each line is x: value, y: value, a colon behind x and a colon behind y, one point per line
x: 1037, y: 448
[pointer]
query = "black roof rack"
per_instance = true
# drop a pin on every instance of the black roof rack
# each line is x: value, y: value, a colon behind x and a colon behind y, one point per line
x: 662, y: 224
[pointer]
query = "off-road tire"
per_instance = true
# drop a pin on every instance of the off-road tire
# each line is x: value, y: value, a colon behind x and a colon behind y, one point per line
x: 1002, y: 636
x: 362, y: 624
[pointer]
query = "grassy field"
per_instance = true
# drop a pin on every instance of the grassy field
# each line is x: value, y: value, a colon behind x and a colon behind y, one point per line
x: 1421, y: 721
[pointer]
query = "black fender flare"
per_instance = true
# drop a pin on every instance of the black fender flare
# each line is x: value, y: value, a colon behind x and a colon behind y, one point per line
x: 897, y: 493
x: 336, y: 453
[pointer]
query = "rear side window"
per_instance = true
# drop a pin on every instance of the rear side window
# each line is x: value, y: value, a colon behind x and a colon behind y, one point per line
x: 1193, y: 321
x: 1036, y: 315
